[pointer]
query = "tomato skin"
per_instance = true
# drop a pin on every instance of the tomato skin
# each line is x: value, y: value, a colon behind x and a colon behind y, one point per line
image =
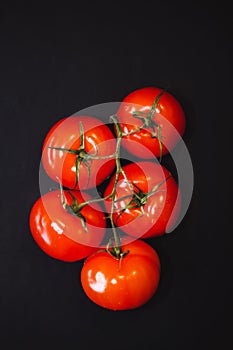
x: 169, y: 116
x: 61, y: 165
x: 122, y: 285
x: 60, y: 234
x: 160, y: 211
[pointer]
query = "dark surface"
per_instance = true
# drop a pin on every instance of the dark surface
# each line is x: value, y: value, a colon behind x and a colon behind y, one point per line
x: 55, y: 62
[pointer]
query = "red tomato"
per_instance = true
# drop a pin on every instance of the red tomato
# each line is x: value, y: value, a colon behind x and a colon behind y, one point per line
x: 76, y: 170
x: 125, y: 284
x: 167, y: 122
x: 60, y: 234
x: 157, y: 212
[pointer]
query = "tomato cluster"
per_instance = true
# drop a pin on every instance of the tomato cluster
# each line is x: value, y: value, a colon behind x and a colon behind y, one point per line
x: 140, y: 199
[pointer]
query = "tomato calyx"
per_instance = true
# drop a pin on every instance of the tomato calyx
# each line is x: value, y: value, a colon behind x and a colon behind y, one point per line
x: 115, y: 250
x: 148, y: 122
x: 82, y: 156
x: 140, y: 198
x: 74, y: 208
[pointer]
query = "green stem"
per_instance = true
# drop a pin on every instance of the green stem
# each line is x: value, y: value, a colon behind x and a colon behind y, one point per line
x: 118, y: 248
x: 111, y: 156
x: 148, y: 122
x: 156, y: 187
x: 153, y: 108
x: 94, y: 200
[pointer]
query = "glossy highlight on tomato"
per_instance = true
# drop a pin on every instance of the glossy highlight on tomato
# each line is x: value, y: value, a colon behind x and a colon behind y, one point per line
x: 168, y: 122
x: 61, y: 234
x: 138, y: 210
x: 77, y: 170
x: 122, y: 284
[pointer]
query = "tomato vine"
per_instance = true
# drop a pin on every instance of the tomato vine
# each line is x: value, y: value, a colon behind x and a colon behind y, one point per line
x: 139, y: 198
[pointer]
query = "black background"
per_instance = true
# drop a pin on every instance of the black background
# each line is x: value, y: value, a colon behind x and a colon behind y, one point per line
x: 57, y: 60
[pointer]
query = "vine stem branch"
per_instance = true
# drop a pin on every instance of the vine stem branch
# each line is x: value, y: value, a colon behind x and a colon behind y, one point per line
x: 82, y: 155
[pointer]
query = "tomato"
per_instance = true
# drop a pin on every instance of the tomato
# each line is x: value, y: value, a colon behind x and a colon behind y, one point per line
x: 63, y: 235
x: 164, y: 126
x: 122, y: 284
x: 148, y: 203
x: 69, y: 148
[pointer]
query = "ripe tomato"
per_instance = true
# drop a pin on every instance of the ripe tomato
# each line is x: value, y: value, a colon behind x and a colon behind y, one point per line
x: 67, y: 149
x: 167, y: 123
x: 62, y: 235
x: 145, y: 205
x: 125, y: 284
